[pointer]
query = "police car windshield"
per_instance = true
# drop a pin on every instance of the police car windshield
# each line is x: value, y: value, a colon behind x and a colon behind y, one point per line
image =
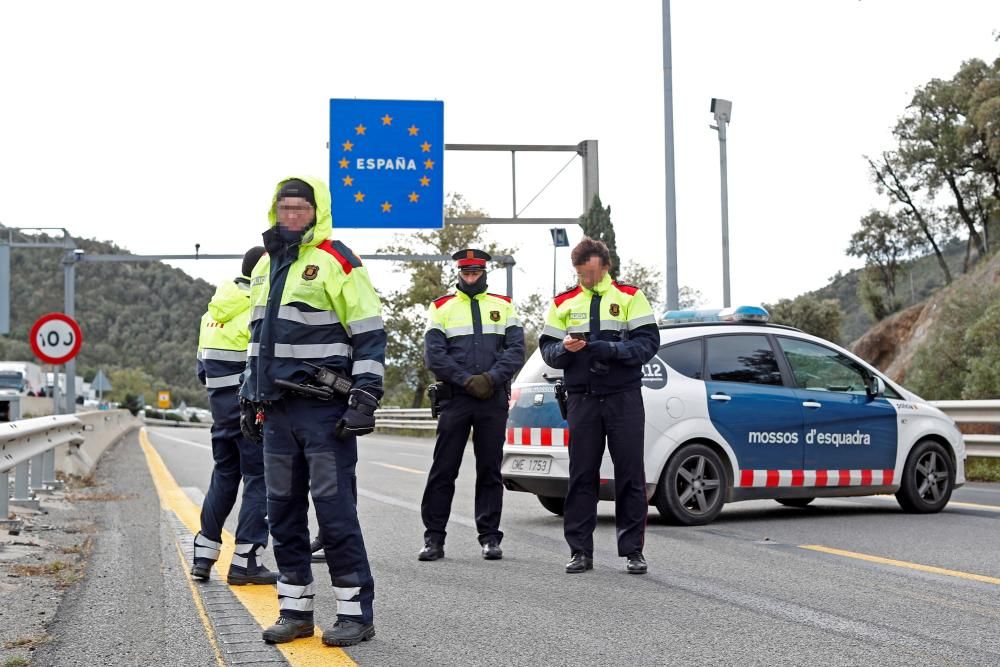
x: 535, y: 371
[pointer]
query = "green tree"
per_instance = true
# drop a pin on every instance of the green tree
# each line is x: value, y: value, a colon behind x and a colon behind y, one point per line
x: 941, y: 367
x: 982, y: 379
x: 596, y: 224
x: 532, y: 312
x: 407, y: 378
x: 883, y: 242
x: 819, y: 317
x: 650, y: 280
x: 891, y: 178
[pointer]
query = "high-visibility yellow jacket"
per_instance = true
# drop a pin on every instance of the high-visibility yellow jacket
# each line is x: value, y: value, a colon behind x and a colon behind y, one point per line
x: 223, y: 338
x: 466, y: 337
x: 621, y: 336
x: 312, y: 302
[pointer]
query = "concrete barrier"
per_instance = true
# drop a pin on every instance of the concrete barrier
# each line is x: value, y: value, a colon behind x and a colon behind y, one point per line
x: 102, y: 428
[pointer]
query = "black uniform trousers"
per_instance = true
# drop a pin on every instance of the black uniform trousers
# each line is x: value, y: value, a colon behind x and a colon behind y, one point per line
x: 621, y: 419
x: 488, y: 421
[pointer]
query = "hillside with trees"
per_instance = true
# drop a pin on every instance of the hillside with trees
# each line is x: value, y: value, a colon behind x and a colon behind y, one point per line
x: 139, y: 320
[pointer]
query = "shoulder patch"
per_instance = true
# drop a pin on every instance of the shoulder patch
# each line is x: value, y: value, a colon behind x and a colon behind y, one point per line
x: 345, y: 256
x: 627, y: 289
x: 568, y: 294
x: 501, y: 296
x: 441, y: 300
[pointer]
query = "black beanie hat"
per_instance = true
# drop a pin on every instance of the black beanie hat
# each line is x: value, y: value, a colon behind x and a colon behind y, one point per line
x: 250, y: 259
x: 297, y: 188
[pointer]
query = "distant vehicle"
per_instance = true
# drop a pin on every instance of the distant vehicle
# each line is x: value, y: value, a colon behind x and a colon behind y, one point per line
x: 739, y: 409
x: 50, y: 384
x: 20, y: 377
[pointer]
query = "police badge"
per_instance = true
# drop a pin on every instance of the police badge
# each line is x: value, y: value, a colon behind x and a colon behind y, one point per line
x: 615, y: 309
x: 495, y: 315
x: 311, y: 272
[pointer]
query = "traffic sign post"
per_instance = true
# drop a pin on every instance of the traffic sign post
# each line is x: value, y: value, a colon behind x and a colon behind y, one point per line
x: 386, y: 163
x: 163, y: 400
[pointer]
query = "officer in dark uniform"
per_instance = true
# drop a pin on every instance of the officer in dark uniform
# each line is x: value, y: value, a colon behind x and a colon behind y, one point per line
x: 313, y: 307
x: 601, y: 333
x: 222, y: 356
x: 474, y: 346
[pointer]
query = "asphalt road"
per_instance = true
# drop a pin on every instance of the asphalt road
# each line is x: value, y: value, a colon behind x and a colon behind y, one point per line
x: 741, y: 590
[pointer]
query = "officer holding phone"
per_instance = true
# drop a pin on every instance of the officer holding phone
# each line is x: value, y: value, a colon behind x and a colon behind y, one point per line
x: 601, y: 333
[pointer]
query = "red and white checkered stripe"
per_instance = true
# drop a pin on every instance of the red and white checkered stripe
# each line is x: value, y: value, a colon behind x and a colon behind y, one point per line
x: 769, y: 478
x: 539, y: 437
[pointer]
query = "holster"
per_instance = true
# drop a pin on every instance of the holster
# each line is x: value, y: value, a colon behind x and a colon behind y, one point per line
x: 439, y: 393
x: 560, y: 391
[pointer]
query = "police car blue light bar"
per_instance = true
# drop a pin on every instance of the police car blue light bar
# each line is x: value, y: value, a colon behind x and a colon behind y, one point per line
x: 737, y: 314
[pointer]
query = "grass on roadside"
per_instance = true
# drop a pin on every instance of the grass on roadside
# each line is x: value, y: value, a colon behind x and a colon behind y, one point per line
x: 27, y: 642
x: 16, y: 661
x: 981, y: 469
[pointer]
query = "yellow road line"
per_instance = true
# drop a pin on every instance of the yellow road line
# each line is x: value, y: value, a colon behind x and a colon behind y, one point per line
x: 202, y: 614
x: 403, y: 468
x: 902, y: 563
x: 260, y: 601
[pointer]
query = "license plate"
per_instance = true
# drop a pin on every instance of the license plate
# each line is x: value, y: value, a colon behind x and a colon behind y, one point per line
x: 531, y: 464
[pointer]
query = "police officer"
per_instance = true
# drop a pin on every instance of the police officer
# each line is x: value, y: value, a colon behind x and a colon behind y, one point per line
x: 601, y: 333
x: 474, y: 345
x: 222, y: 354
x: 313, y: 306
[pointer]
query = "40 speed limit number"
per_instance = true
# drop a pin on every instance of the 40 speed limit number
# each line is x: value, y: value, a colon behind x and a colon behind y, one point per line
x: 55, y: 338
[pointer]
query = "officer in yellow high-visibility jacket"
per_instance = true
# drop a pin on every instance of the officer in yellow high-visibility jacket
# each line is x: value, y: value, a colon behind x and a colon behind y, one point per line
x: 601, y: 333
x: 222, y: 355
x: 474, y: 345
x: 313, y: 306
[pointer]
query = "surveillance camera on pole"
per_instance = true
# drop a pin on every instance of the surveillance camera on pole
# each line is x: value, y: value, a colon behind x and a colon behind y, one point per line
x: 723, y: 110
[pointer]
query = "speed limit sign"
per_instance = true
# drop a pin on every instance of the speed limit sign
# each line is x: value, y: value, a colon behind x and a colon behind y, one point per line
x: 55, y: 338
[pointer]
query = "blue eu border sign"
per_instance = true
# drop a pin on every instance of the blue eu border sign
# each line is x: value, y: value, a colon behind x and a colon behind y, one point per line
x: 386, y: 163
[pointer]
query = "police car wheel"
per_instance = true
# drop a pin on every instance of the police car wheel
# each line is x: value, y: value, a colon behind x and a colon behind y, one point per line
x: 553, y: 504
x: 794, y: 502
x: 928, y: 479
x: 693, y: 487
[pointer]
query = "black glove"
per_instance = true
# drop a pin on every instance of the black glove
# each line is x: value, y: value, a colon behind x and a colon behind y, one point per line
x: 252, y: 429
x: 359, y: 418
x: 480, y: 386
x: 603, y: 350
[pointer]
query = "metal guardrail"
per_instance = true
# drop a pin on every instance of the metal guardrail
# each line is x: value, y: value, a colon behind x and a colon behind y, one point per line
x: 171, y: 422
x: 416, y: 419
x: 27, y: 447
x: 975, y: 412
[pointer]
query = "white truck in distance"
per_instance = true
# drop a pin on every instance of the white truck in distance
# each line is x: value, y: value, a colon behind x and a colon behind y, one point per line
x: 20, y: 377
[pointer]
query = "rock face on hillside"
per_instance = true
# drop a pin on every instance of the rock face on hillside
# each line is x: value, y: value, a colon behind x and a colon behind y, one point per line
x: 891, y: 344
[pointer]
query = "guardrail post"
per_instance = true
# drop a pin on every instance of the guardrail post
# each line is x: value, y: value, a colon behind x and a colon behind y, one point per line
x: 12, y: 525
x: 36, y: 469
x: 22, y: 494
x: 49, y: 480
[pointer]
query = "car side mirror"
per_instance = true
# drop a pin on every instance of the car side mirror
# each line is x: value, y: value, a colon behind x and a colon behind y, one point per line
x: 876, y: 387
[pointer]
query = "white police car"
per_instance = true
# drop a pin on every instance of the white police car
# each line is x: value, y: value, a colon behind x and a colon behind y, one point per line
x: 739, y: 409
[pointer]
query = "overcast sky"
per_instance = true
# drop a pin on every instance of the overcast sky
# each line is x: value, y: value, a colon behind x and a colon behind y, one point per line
x: 158, y: 127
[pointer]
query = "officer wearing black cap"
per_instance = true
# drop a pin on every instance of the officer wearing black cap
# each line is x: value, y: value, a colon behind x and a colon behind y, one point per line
x: 474, y: 345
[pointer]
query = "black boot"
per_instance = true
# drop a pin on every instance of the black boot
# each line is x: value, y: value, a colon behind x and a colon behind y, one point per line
x: 261, y: 575
x: 492, y: 551
x: 318, y: 555
x: 287, y: 629
x: 431, y: 551
x: 348, y: 633
x: 636, y: 563
x: 202, y: 568
x: 579, y: 563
